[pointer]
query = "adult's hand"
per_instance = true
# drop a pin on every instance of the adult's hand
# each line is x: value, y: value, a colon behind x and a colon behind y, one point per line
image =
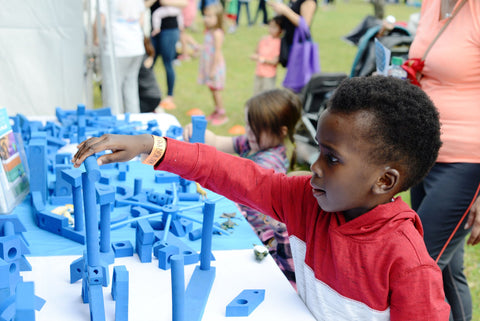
x: 473, y: 221
x: 279, y: 7
x: 123, y: 147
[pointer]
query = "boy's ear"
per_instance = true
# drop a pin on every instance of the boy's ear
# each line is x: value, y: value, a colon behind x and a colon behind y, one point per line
x: 284, y: 130
x: 387, y: 182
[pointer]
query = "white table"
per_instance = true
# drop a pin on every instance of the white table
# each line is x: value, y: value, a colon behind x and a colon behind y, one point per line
x: 150, y: 297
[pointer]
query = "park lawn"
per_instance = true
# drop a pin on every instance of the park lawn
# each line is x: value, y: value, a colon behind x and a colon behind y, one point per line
x: 330, y: 24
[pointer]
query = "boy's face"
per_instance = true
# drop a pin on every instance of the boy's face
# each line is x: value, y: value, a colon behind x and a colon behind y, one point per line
x: 343, y: 175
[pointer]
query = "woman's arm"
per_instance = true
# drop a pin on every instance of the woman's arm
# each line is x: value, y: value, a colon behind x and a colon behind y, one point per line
x: 149, y: 3
x: 174, y: 3
x: 307, y: 9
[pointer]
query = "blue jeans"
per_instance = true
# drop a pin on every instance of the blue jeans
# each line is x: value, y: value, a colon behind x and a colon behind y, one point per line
x: 440, y: 200
x: 164, y: 44
x: 247, y: 6
x: 263, y: 8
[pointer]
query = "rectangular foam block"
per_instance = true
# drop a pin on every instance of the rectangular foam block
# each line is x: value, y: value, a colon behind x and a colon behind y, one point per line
x: 197, y: 293
x: 245, y: 303
x: 122, y: 248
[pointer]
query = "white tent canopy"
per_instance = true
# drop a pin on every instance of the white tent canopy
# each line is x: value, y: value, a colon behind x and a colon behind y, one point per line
x: 42, y: 56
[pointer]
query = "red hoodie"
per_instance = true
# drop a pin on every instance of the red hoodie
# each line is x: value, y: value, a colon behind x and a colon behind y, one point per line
x: 374, y: 267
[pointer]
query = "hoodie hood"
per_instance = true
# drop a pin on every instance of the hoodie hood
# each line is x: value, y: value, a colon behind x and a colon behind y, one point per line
x: 385, y: 216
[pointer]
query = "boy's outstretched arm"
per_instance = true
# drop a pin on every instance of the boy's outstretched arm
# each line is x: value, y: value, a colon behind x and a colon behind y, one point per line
x: 123, y: 147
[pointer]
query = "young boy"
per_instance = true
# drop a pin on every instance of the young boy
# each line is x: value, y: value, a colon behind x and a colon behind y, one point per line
x: 266, y: 56
x: 358, y: 251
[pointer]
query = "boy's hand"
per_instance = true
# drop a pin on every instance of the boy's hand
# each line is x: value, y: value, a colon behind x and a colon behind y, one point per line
x: 474, y: 222
x: 123, y: 147
x: 254, y: 57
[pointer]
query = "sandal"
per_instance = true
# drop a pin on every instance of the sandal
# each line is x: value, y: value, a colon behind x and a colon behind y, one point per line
x: 212, y: 115
x: 219, y: 119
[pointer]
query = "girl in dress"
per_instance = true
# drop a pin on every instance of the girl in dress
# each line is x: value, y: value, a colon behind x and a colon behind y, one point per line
x: 212, y: 64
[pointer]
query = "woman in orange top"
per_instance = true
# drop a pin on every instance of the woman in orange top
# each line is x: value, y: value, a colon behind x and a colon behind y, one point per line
x: 451, y: 77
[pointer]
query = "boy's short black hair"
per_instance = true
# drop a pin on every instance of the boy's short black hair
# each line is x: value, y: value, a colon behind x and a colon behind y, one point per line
x: 406, y: 129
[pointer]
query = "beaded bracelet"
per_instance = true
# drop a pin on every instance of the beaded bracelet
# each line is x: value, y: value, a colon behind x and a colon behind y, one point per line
x: 158, y: 149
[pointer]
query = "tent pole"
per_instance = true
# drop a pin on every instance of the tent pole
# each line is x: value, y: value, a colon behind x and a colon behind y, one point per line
x: 89, y: 59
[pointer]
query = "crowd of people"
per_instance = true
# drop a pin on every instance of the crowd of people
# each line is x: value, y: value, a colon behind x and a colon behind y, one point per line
x: 324, y: 228
x: 132, y: 49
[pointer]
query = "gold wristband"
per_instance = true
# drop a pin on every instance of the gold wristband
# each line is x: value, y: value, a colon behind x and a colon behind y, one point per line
x: 158, y: 149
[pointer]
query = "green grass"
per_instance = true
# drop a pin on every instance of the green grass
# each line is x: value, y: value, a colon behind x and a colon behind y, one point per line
x: 330, y: 24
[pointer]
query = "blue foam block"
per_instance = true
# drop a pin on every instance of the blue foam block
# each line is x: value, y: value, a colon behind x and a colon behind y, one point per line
x: 122, y: 176
x: 26, y: 298
x: 137, y: 211
x: 164, y: 177
x: 4, y: 275
x: 105, y: 194
x: 144, y: 233
x: 95, y: 274
x: 62, y: 186
x: 199, y: 125
x: 190, y: 256
x: 77, y: 269
x: 245, y: 303
x: 177, y: 228
x: 10, y: 248
x: 38, y: 202
x: 120, y: 292
x: 144, y: 252
x: 164, y: 254
x: 51, y: 222
x: 37, y: 160
x: 71, y: 234
x: 122, y: 248
x: 178, y: 288
x: 95, y: 297
x: 198, y: 290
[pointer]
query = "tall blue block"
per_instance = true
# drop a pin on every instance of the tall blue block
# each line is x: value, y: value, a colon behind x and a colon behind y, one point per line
x: 199, y: 125
x: 37, y: 161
